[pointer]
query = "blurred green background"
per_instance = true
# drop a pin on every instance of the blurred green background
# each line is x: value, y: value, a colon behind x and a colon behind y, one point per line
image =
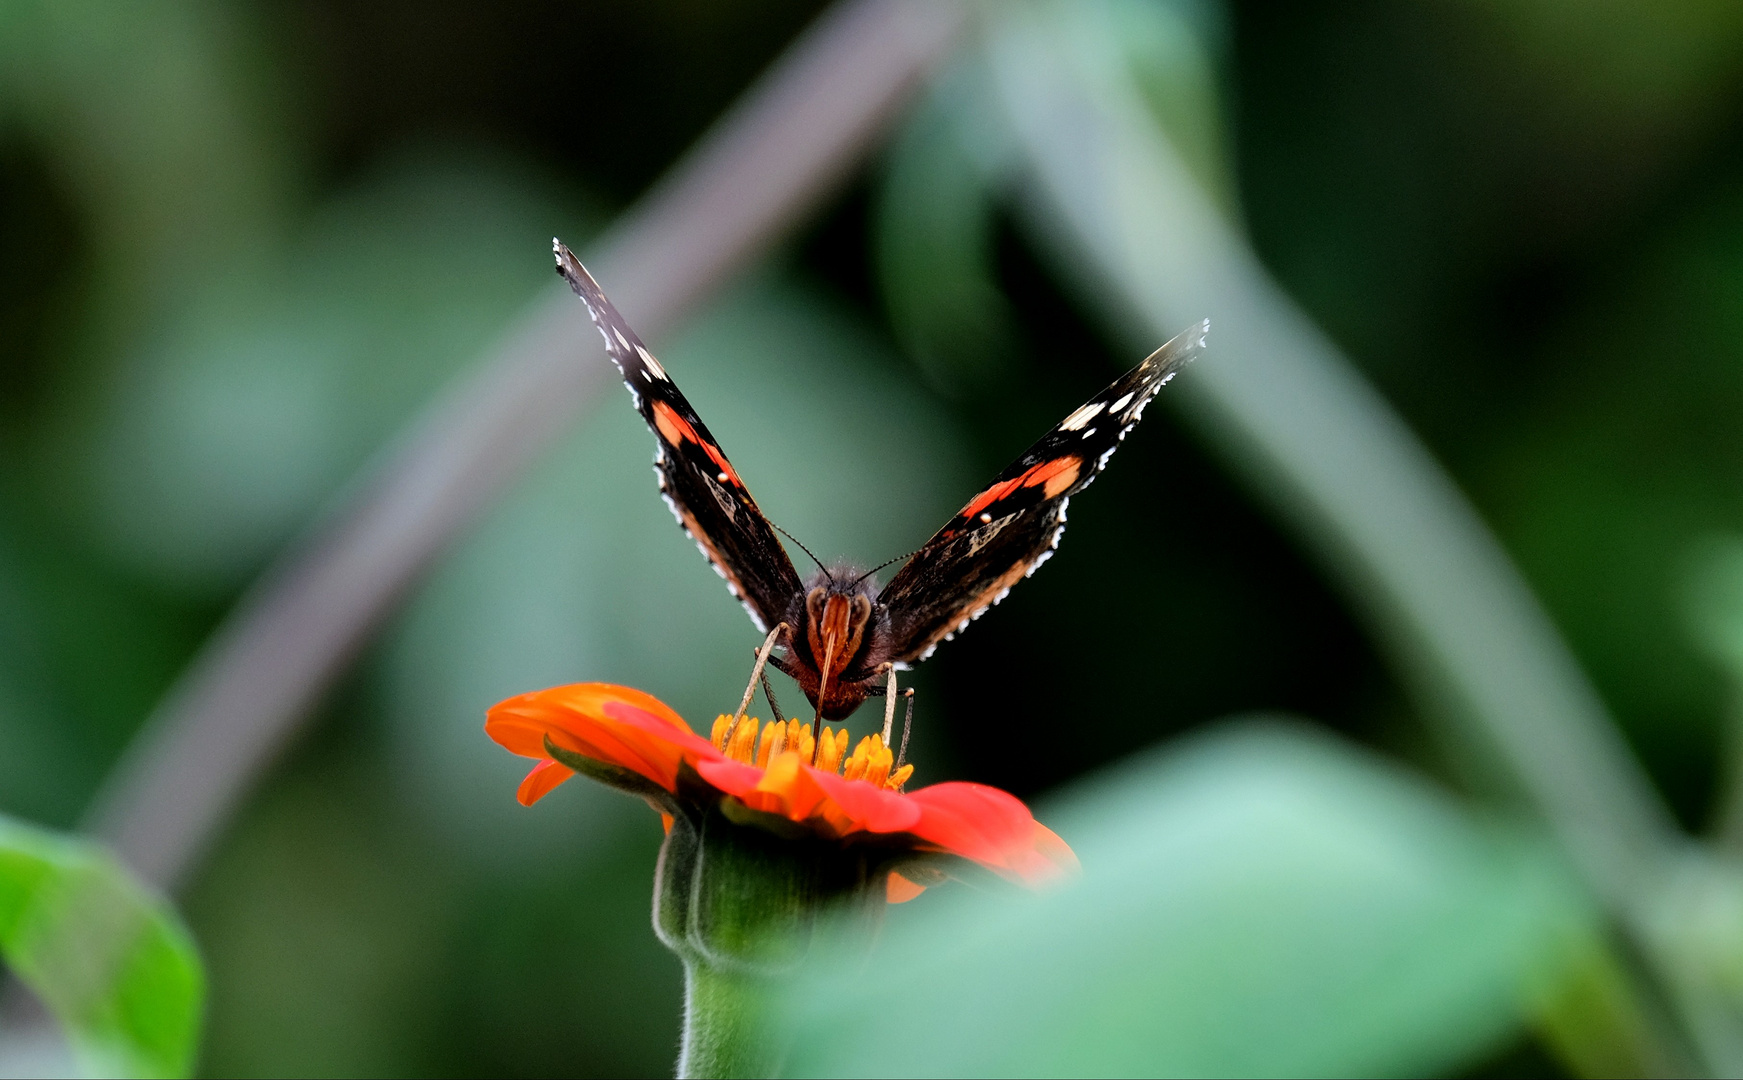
x: 241, y: 244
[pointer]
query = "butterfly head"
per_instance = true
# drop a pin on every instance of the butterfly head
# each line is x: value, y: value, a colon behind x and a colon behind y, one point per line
x: 838, y: 613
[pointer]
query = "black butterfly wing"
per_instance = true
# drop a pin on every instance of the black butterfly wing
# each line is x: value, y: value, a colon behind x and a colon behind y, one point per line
x: 1011, y: 527
x: 698, y: 483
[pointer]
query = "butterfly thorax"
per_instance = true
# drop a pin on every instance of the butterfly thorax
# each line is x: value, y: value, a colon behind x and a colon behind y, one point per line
x: 838, y: 641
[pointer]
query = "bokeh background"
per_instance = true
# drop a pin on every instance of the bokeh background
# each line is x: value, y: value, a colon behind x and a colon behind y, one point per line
x: 241, y: 245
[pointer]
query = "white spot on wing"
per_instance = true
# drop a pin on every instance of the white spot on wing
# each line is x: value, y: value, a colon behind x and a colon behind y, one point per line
x: 621, y: 340
x: 653, y: 365
x: 1082, y: 416
x: 1125, y: 399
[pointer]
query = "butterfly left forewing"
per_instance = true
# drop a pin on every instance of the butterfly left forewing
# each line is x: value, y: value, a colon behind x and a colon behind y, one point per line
x: 700, y: 485
x: 1012, y: 526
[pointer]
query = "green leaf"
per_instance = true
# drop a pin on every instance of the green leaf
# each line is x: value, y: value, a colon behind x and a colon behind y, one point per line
x: 1264, y: 901
x: 108, y: 958
x: 936, y: 235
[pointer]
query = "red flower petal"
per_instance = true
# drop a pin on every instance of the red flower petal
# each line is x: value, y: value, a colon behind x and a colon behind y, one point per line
x: 873, y: 808
x: 545, y: 776
x: 989, y: 826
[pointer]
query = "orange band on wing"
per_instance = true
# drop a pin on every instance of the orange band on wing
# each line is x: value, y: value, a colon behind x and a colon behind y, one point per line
x: 675, y: 429
x: 1052, y: 477
x: 1055, y: 475
x: 991, y: 495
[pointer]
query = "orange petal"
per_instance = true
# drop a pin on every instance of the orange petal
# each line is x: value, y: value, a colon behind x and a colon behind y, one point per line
x: 899, y: 890
x: 618, y: 725
x: 545, y: 776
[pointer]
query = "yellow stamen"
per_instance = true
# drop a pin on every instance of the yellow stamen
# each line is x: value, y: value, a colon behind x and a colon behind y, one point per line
x: 855, y: 763
x: 744, y: 741
x: 864, y: 755
x: 871, y: 760
x: 773, y: 732
x: 878, y: 762
x: 834, y: 746
x: 799, y: 738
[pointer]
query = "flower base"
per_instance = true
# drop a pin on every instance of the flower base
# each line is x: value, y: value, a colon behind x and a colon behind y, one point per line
x: 738, y: 901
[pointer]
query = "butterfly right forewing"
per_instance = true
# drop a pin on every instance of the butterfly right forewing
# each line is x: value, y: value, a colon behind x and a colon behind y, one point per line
x: 1012, y: 526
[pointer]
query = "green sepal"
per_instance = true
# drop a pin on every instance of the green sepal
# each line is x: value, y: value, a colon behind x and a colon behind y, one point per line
x: 616, y: 776
x: 785, y: 828
x: 741, y: 897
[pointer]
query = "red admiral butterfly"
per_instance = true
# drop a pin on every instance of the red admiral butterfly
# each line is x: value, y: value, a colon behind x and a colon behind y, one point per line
x: 843, y: 634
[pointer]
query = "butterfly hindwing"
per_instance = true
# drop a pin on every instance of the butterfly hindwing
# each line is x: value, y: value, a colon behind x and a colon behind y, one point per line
x: 698, y: 482
x: 1012, y: 526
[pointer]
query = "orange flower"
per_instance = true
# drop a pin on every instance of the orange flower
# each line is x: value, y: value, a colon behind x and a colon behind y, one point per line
x: 633, y: 741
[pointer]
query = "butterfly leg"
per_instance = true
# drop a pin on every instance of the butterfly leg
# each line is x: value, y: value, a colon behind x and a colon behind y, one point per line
x: 907, y: 725
x: 769, y: 692
x: 889, y: 703
x: 756, y: 673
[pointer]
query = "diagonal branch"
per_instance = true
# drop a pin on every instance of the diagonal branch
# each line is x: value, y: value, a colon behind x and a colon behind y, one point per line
x: 764, y: 166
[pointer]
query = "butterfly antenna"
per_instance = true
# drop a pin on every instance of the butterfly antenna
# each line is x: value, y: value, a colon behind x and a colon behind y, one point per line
x: 806, y: 550
x: 887, y: 562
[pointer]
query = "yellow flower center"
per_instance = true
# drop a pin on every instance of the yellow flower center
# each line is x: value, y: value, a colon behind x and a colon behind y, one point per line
x: 870, y: 761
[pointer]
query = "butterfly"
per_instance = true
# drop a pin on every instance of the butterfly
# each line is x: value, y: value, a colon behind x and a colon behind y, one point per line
x: 843, y: 634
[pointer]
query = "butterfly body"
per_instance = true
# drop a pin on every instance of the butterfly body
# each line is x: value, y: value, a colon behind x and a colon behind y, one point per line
x: 839, y: 628
x: 843, y: 632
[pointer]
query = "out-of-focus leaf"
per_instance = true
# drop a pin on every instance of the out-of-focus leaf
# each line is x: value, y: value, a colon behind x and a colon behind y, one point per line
x: 1616, y: 484
x: 161, y: 118
x: 1696, y: 926
x: 82, y: 657
x: 225, y: 432
x: 1713, y: 601
x: 1170, y: 50
x: 324, y: 921
x: 939, y: 203
x: 110, y: 960
x: 934, y: 240
x: 1322, y: 447
x: 1712, y: 608
x: 1625, y: 68
x: 1266, y: 901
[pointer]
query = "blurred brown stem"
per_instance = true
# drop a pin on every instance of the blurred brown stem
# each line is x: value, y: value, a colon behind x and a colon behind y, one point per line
x: 763, y: 167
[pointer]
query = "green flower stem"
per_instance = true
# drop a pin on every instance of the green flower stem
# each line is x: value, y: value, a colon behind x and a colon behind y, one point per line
x: 722, y: 1033
x: 737, y: 896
